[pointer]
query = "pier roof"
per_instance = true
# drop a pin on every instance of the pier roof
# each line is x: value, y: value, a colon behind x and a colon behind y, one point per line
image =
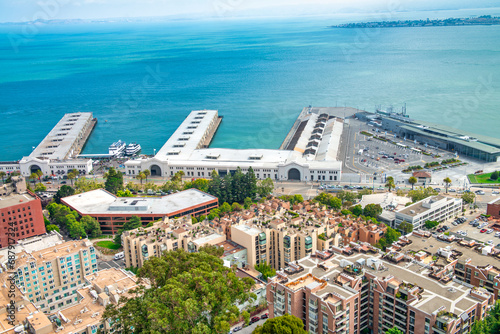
x: 58, y: 143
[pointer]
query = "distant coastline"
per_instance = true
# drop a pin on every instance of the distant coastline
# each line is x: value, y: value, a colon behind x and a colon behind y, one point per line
x: 473, y: 21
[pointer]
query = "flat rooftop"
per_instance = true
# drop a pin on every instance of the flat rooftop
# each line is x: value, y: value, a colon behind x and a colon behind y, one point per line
x: 51, y: 253
x: 419, y: 207
x: 58, y: 142
x: 100, y: 201
x: 230, y: 247
x: 248, y: 229
x: 15, y: 199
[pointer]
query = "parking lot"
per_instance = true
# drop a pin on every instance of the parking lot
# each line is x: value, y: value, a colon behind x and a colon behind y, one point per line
x: 371, y: 159
x: 110, y: 264
x: 472, y: 232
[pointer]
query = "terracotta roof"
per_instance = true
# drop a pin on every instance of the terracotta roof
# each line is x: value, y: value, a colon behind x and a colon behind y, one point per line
x: 422, y: 174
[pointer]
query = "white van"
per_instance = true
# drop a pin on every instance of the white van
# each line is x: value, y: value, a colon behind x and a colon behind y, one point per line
x: 119, y: 256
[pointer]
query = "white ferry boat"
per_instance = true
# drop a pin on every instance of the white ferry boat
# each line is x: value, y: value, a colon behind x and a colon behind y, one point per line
x: 117, y: 148
x: 133, y: 148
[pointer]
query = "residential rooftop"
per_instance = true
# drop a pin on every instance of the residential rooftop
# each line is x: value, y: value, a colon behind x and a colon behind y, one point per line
x: 15, y: 199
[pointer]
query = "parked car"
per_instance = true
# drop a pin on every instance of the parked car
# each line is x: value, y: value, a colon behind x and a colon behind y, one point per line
x: 264, y: 316
x: 237, y: 329
x: 490, y: 242
x: 489, y: 231
x: 483, y: 230
x: 495, y: 192
x: 452, y: 190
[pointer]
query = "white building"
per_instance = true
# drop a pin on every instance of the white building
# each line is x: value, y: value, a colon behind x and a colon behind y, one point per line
x: 55, y: 154
x: 313, y: 156
x: 437, y: 208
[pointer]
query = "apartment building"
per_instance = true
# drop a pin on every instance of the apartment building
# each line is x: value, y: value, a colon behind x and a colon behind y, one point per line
x: 438, y: 208
x: 166, y: 235
x: 350, y: 294
x: 20, y: 217
x: 49, y: 278
x: 101, y: 288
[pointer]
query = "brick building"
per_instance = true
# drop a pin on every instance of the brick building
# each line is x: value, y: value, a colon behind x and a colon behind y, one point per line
x: 20, y: 217
x: 493, y: 208
x: 112, y: 212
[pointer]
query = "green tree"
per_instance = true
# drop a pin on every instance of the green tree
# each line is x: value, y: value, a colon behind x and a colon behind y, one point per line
x: 33, y: 177
x: 247, y: 202
x: 421, y: 193
x: 393, y: 330
x: 141, y: 176
x: 236, y: 207
x: 190, y: 293
x: 225, y: 208
x: 447, y: 182
x: 39, y: 175
x: 114, y: 180
x: 75, y: 228
x: 356, y: 210
x: 64, y: 191
x: 346, y: 196
x: 431, y: 224
x: 372, y: 210
x: 2, y: 175
x: 405, y: 227
x: 389, y: 237
x: 494, y: 175
x: 212, y: 250
x: 246, y: 317
x: 124, y: 193
x: 133, y: 223
x: 72, y: 175
x: 51, y: 227
x: 412, y: 180
x: 468, y: 197
x: 200, y: 184
x: 146, y: 173
x: 83, y: 184
x: 389, y: 183
x: 265, y: 187
x: 40, y: 187
x: 250, y: 183
x: 266, y: 270
x: 285, y: 324
x: 91, y: 226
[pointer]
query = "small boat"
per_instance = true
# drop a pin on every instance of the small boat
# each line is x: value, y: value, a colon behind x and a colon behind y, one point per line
x: 117, y: 148
x: 133, y: 148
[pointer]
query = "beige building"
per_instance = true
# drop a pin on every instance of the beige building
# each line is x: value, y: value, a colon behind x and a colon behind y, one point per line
x: 102, y: 288
x: 170, y: 234
x: 49, y: 278
x: 352, y: 294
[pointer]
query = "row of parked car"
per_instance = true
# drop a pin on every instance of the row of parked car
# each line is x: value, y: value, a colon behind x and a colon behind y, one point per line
x: 254, y: 319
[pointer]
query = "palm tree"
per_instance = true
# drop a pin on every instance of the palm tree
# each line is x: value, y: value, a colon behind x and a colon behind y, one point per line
x: 33, y: 177
x: 390, y: 183
x: 141, y: 176
x: 71, y: 175
x: 39, y: 173
x: 2, y: 175
x: 447, y: 182
x: 146, y: 173
x: 412, y: 180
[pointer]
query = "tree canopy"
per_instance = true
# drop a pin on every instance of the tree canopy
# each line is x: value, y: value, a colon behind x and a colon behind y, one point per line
x: 468, y: 197
x: 421, y: 193
x: 114, y: 180
x: 372, y: 210
x: 64, y: 191
x: 393, y: 330
x: 405, y: 227
x: 190, y: 293
x: 489, y: 324
x: 285, y: 324
x: 266, y: 270
x: 389, y: 237
x: 329, y: 200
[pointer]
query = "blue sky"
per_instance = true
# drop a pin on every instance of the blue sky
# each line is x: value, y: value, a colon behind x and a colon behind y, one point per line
x: 30, y: 10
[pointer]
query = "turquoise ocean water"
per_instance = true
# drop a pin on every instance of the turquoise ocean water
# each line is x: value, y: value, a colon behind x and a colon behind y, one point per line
x: 141, y: 79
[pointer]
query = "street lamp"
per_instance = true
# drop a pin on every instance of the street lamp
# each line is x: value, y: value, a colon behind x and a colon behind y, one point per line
x: 154, y: 151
